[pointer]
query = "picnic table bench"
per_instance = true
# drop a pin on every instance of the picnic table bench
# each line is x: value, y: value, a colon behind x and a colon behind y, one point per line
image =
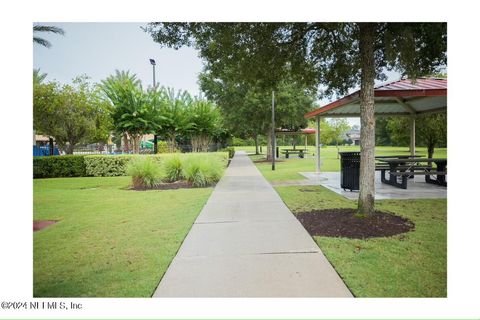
x: 409, y: 167
x: 301, y: 152
x: 383, y: 167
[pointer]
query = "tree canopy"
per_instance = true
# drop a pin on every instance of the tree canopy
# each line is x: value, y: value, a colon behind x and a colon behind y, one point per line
x: 135, y: 112
x: 336, y: 56
x: 72, y: 114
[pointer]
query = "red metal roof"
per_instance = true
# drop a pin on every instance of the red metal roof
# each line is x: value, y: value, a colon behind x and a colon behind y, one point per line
x: 419, y: 84
x: 405, y: 88
x: 309, y: 131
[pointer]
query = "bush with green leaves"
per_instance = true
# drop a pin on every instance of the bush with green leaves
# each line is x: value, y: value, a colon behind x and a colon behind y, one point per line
x: 172, y: 165
x: 107, y: 165
x: 162, y: 147
x: 146, y: 172
x: 59, y: 166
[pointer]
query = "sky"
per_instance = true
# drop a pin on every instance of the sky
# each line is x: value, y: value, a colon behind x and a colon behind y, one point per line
x: 98, y: 49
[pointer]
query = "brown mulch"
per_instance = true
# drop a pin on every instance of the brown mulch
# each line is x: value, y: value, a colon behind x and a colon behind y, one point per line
x: 166, y: 186
x: 344, y: 223
x: 42, y: 224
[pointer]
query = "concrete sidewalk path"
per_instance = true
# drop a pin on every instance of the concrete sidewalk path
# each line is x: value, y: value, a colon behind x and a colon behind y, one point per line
x: 247, y: 243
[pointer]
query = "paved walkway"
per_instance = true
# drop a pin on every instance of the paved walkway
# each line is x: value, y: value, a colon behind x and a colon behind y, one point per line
x: 247, y: 243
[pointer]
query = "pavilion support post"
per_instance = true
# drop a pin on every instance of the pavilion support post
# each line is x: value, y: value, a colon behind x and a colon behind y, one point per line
x: 317, y: 143
x: 412, y: 135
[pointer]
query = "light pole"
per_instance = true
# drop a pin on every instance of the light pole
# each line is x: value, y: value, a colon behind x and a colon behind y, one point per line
x: 152, y: 62
x: 155, y: 141
x: 273, y: 131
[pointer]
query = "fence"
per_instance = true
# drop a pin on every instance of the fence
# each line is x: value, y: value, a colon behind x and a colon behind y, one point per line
x: 112, y: 149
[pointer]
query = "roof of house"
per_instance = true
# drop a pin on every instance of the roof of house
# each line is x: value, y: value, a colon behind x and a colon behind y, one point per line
x: 402, y: 97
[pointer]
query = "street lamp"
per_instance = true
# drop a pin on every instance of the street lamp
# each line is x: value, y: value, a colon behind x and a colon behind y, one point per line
x: 152, y: 62
x: 155, y: 141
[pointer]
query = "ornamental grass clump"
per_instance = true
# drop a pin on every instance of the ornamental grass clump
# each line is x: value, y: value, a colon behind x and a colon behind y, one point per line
x: 202, y: 171
x: 173, y: 169
x: 146, y: 172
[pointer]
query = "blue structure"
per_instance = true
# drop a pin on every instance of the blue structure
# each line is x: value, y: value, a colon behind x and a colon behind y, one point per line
x: 44, y: 151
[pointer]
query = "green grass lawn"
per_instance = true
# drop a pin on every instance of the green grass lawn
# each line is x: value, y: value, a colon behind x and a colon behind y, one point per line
x: 110, y: 242
x: 413, y: 264
x: 288, y: 169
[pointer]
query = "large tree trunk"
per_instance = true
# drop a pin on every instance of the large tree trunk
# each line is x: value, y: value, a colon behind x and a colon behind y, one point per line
x: 69, y: 148
x: 172, y: 143
x: 430, y: 150
x: 136, y: 143
x: 126, y: 149
x: 366, y: 199
x: 256, y: 144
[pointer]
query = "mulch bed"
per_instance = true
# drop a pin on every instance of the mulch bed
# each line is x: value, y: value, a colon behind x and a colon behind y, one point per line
x: 42, y: 224
x: 166, y: 186
x: 344, y: 223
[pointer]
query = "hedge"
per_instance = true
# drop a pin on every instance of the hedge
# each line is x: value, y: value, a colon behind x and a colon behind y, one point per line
x: 59, y: 166
x: 107, y: 165
x: 97, y: 165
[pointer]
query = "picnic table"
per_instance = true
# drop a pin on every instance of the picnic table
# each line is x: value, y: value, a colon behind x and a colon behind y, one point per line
x: 383, y: 167
x: 400, y: 156
x: 301, y: 152
x: 409, y: 167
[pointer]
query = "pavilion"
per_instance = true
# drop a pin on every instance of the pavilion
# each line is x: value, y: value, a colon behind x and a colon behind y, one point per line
x: 399, y: 98
x: 305, y: 132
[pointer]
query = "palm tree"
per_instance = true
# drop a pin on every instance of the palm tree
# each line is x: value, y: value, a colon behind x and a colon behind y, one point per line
x: 38, y: 76
x: 135, y: 111
x: 42, y: 41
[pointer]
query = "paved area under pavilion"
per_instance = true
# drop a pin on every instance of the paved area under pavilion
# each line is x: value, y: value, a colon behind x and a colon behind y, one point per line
x: 417, y: 188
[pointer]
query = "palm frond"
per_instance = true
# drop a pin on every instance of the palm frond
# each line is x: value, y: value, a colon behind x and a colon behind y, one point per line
x: 51, y: 29
x: 38, y: 77
x: 42, y: 42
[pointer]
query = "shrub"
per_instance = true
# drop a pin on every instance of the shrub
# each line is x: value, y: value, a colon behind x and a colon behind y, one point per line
x: 59, y: 166
x: 107, y: 165
x: 202, y: 171
x: 242, y: 142
x: 146, y: 172
x: 172, y: 168
x: 162, y: 147
x: 230, y: 150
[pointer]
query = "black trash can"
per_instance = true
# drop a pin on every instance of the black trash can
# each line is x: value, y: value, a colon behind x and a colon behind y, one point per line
x: 350, y: 170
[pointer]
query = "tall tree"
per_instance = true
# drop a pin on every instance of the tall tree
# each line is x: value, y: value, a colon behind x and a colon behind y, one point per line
x: 50, y: 29
x: 135, y: 112
x: 205, y: 123
x: 72, y: 114
x: 247, y: 106
x: 38, y: 76
x: 382, y: 134
x: 335, y: 130
x: 339, y: 56
x: 431, y: 131
x: 174, y: 114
